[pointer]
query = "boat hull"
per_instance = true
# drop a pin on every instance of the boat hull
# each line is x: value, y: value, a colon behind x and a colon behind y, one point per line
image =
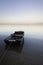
x: 16, y: 38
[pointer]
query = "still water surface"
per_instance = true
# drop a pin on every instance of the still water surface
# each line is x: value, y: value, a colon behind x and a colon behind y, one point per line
x: 30, y: 53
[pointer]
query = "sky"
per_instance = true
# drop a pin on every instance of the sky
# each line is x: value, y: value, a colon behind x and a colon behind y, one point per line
x: 21, y: 11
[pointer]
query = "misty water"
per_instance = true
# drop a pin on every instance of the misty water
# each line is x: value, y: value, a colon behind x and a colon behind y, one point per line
x: 30, y: 53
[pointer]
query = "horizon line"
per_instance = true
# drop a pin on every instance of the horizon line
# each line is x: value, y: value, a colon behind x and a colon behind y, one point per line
x: 24, y: 24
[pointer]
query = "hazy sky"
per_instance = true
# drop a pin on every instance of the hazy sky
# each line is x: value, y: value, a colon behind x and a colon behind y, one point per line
x: 21, y: 11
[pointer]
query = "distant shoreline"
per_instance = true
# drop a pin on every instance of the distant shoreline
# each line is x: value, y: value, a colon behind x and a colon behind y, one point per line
x: 22, y: 24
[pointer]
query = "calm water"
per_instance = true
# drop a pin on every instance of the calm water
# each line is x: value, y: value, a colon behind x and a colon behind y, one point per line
x: 30, y: 53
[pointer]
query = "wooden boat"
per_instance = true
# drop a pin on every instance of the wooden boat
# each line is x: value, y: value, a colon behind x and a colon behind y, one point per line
x: 16, y: 37
x: 18, y: 33
x: 15, y: 47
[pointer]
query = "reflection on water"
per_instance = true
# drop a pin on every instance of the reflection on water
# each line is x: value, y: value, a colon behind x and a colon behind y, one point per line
x: 30, y: 53
x: 30, y: 30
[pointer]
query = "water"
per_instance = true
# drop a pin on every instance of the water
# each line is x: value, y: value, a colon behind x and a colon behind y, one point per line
x: 30, y: 53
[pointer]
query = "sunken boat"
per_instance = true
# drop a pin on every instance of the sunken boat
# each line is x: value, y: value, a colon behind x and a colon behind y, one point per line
x: 17, y: 38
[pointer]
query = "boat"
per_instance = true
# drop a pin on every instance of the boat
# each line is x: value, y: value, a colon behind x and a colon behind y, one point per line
x: 18, y: 33
x: 15, y: 47
x: 16, y: 37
